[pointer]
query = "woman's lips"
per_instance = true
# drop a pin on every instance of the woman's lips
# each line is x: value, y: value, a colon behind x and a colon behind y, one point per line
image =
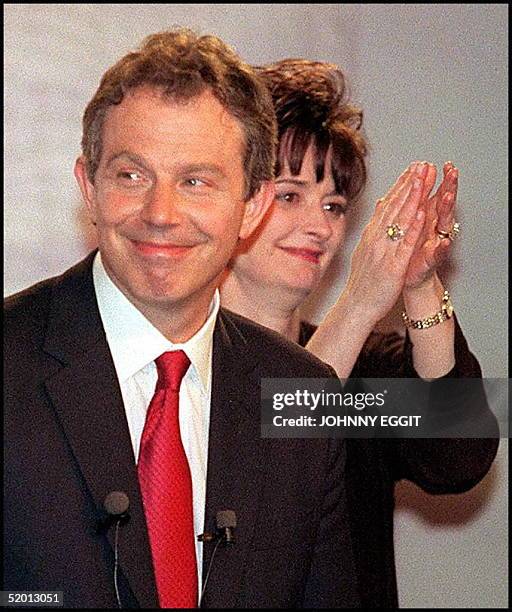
x: 310, y: 255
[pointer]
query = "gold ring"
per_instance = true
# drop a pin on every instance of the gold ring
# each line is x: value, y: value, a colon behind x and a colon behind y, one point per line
x: 452, y: 234
x: 394, y: 232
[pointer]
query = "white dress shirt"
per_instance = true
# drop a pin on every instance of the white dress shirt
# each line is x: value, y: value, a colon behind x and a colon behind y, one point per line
x: 135, y: 344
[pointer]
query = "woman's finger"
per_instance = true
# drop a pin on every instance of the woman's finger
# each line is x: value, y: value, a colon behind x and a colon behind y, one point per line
x: 391, y: 210
x: 407, y: 245
x: 445, y: 218
x: 446, y: 206
x: 411, y: 169
x: 447, y: 166
x: 402, y: 183
x: 405, y: 215
x: 430, y: 181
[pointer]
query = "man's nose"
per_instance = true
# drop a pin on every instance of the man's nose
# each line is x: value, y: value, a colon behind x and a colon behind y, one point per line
x: 163, y: 205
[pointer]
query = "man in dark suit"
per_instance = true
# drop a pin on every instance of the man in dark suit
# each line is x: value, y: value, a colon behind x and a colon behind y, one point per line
x: 177, y: 165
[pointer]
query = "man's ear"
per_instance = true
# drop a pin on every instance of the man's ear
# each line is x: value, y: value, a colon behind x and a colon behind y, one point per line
x: 86, y: 187
x: 256, y: 207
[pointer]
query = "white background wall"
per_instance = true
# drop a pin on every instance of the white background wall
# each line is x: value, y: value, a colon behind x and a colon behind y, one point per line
x: 432, y: 80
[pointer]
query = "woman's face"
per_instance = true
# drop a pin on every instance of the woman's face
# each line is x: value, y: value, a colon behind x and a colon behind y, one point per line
x: 304, y: 228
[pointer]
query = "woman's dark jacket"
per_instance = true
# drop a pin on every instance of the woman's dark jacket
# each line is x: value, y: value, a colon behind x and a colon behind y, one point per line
x: 442, y: 465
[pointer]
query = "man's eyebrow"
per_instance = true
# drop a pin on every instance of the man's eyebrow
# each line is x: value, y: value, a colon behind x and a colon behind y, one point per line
x: 183, y: 169
x: 133, y: 157
x: 209, y: 168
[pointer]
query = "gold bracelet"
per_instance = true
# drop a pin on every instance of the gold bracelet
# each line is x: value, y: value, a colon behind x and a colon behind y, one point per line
x: 444, y: 314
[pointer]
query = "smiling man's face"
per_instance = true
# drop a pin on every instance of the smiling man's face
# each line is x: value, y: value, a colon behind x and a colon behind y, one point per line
x: 168, y: 197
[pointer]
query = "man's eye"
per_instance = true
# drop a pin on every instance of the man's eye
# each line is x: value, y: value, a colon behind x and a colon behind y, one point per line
x: 129, y: 176
x: 195, y: 182
x: 336, y: 209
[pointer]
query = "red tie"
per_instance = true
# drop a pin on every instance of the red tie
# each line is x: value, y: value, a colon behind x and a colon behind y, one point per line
x: 166, y: 485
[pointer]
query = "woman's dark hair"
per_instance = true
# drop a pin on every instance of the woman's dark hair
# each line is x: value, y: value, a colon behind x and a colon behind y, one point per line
x: 311, y: 105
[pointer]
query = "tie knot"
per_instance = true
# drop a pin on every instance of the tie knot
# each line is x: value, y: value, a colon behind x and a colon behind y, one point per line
x: 171, y: 367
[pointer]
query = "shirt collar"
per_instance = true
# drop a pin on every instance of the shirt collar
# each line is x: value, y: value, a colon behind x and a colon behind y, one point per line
x: 134, y: 342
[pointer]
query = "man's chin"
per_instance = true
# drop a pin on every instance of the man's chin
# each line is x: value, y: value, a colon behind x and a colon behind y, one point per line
x: 159, y: 296
x: 173, y: 296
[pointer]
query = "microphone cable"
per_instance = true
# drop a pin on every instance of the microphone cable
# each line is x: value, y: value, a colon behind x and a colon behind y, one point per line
x: 210, y: 565
x: 116, y: 562
x: 225, y: 524
x: 116, y: 504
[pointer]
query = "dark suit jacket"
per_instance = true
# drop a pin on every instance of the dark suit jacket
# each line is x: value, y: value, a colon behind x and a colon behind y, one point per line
x: 444, y: 465
x: 67, y: 445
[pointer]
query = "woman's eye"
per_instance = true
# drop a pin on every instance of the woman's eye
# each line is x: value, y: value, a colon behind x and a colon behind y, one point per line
x: 288, y: 196
x: 336, y: 209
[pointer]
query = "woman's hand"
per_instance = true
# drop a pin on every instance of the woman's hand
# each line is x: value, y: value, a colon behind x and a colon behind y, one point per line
x: 439, y: 209
x: 380, y: 267
x: 379, y: 264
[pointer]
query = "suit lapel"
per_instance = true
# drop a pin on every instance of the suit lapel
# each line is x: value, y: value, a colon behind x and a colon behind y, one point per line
x: 87, y: 399
x: 234, y: 459
x: 88, y: 403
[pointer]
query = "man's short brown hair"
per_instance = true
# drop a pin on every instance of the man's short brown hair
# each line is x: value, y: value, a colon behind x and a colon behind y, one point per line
x: 181, y: 64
